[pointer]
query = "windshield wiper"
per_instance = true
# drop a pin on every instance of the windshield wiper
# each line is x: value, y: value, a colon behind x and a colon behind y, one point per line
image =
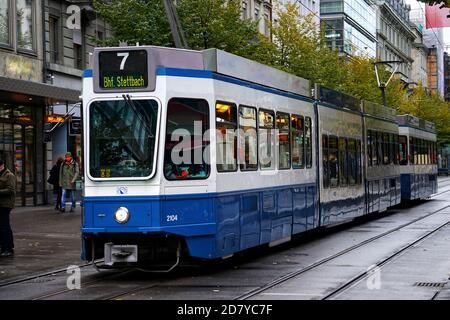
x: 131, y: 105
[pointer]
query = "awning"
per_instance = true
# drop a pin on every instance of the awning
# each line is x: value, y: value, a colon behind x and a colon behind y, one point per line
x: 37, y: 89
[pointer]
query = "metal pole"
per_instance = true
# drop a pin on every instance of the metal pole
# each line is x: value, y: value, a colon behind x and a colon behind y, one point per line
x: 383, y: 94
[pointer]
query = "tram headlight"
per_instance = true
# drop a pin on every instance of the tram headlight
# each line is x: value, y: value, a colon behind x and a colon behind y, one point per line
x: 122, y: 215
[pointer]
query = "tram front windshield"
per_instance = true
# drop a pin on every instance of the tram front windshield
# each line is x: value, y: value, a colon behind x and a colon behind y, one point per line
x: 122, y: 135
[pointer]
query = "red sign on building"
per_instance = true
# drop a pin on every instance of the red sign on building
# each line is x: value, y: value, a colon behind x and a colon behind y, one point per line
x: 437, y: 17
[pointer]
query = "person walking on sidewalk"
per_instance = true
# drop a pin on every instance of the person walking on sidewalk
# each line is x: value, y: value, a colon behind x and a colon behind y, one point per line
x: 7, y: 201
x: 54, y: 180
x: 68, y: 174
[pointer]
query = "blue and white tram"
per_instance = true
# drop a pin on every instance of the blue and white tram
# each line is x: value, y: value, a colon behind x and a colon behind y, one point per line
x: 340, y: 123
x: 161, y: 179
x: 418, y: 157
x: 382, y: 157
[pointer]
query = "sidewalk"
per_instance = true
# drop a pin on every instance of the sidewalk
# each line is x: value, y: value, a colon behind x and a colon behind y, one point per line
x: 44, y: 240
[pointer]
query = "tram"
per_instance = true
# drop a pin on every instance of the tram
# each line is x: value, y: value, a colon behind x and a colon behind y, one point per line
x: 204, y: 154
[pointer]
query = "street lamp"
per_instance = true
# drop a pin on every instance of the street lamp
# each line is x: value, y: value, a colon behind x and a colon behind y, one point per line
x: 383, y: 85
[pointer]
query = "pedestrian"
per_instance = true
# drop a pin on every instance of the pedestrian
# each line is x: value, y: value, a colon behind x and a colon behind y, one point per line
x: 68, y: 174
x: 7, y: 201
x: 54, y: 180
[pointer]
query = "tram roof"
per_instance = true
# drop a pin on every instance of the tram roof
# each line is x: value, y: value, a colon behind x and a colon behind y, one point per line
x: 378, y: 110
x: 415, y: 122
x: 217, y: 61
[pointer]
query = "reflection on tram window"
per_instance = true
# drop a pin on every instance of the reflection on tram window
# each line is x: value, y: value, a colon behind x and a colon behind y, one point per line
x: 248, y: 139
x: 122, y: 138
x: 308, y: 142
x: 343, y: 171
x: 326, y: 175
x: 403, y: 159
x: 333, y: 167
x: 297, y: 134
x: 266, y: 139
x: 284, y: 149
x: 184, y: 154
x: 226, y: 145
x: 352, y: 162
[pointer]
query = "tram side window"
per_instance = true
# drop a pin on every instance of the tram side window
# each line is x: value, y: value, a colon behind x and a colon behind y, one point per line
x: 352, y: 162
x: 421, y: 160
x: 385, y: 148
x: 429, y: 152
x: 325, y: 165
x: 343, y: 169
x: 379, y: 148
x: 397, y: 149
x: 226, y: 145
x: 333, y: 167
x: 369, y: 148
x: 184, y: 156
x: 297, y: 136
x: 248, y: 139
x: 266, y: 139
x: 358, y: 157
x: 391, y: 148
x: 308, y: 142
x: 284, y: 141
x: 403, y: 160
x: 411, y: 150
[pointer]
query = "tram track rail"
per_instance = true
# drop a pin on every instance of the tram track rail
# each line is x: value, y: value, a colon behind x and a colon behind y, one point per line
x: 363, y: 275
x: 323, y: 261
x: 247, y: 295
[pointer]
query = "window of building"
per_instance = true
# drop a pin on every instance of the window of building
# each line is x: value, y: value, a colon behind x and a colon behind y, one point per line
x: 248, y: 139
x: 226, y: 129
x: 184, y: 152
x: 297, y: 136
x: 266, y: 139
x: 284, y: 141
x: 54, y: 39
x: 4, y: 22
x: 78, y: 56
x: 25, y: 23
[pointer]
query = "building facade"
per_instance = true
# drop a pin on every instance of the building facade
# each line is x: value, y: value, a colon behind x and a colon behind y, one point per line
x: 395, y: 36
x: 41, y: 62
x: 433, y: 39
x: 419, y: 54
x: 447, y: 76
x: 350, y: 26
x: 258, y: 10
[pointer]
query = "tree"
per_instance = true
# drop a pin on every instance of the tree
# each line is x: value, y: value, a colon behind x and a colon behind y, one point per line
x: 217, y: 24
x: 133, y: 21
x: 443, y: 3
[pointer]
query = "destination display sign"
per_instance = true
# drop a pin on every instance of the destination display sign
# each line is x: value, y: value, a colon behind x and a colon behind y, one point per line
x: 125, y: 69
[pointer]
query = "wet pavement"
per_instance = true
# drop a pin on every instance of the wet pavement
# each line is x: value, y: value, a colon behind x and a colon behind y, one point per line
x: 44, y: 240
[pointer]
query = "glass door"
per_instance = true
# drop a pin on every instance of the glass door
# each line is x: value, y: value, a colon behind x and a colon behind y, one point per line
x: 19, y: 157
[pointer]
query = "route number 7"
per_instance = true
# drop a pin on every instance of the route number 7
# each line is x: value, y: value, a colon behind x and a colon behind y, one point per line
x: 124, y: 56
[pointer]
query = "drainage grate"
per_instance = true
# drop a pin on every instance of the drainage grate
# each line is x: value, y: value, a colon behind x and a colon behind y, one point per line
x: 430, y: 284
